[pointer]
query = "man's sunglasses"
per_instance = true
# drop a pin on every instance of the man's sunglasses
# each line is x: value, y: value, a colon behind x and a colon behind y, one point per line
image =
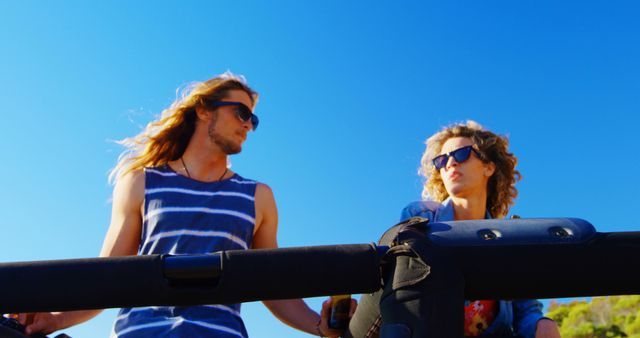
x: 460, y: 155
x: 243, y: 112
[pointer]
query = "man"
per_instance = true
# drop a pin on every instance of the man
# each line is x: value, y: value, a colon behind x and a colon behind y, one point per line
x: 174, y: 193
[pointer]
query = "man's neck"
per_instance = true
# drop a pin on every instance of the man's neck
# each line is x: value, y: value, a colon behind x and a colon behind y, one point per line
x: 469, y: 208
x: 204, y: 165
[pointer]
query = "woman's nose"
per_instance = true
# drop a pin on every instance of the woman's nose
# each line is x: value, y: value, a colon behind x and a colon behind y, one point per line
x: 451, y: 162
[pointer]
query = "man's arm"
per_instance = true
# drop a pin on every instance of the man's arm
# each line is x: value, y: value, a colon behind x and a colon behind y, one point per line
x: 122, y: 239
x: 293, y: 312
x: 123, y: 236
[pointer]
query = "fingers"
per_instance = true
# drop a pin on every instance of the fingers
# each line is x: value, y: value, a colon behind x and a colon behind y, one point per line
x: 24, y: 318
x: 42, y: 323
x: 36, y: 326
x: 326, y: 309
x: 352, y: 307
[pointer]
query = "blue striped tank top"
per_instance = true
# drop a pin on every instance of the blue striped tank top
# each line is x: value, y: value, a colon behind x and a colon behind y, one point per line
x: 185, y: 216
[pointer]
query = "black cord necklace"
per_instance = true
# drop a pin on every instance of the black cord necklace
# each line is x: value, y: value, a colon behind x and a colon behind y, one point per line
x: 184, y: 166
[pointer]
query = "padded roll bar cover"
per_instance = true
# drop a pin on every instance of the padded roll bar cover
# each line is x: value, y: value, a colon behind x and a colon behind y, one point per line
x: 72, y: 283
x: 264, y: 274
x: 608, y: 264
x: 537, y: 258
x: 508, y: 232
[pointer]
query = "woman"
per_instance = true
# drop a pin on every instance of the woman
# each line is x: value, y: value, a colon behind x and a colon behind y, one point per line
x: 469, y: 175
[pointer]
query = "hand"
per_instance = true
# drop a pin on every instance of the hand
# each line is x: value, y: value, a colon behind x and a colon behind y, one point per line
x: 40, y: 322
x: 326, y: 313
x: 547, y: 328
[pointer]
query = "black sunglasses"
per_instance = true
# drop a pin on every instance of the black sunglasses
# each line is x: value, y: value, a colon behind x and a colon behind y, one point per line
x: 460, y: 155
x: 243, y: 112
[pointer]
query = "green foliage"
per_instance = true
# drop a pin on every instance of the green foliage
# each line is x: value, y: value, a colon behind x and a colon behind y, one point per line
x: 603, y: 317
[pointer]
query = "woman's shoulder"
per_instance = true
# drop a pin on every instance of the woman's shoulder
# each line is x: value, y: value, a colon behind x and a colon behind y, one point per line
x: 420, y: 208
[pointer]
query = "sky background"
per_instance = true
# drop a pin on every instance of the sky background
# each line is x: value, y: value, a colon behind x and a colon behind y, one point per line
x: 349, y: 92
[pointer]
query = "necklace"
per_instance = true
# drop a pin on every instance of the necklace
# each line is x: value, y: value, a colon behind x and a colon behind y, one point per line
x: 184, y: 166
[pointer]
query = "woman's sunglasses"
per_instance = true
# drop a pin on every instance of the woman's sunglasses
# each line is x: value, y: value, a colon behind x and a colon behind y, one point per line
x: 460, y: 155
x: 243, y: 112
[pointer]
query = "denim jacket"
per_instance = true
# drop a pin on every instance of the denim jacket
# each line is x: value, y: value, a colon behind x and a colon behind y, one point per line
x: 515, y: 317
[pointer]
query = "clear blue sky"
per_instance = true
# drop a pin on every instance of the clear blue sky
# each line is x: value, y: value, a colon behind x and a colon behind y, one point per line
x: 349, y: 92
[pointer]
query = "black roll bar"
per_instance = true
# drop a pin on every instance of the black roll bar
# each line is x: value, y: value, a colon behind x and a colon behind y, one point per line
x: 487, y: 259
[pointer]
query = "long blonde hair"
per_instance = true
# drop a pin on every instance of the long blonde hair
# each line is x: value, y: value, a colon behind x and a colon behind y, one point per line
x: 501, y: 190
x: 166, y: 139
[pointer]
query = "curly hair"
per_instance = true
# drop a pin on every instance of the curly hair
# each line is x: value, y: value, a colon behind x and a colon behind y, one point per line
x: 501, y: 190
x: 166, y: 139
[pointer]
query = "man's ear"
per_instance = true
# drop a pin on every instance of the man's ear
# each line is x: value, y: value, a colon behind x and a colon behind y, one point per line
x: 203, y: 113
x: 489, y: 169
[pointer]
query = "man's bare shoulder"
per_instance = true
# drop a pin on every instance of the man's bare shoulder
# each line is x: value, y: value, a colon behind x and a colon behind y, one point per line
x: 263, y: 190
x: 265, y: 201
x: 131, y: 185
x: 266, y: 218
